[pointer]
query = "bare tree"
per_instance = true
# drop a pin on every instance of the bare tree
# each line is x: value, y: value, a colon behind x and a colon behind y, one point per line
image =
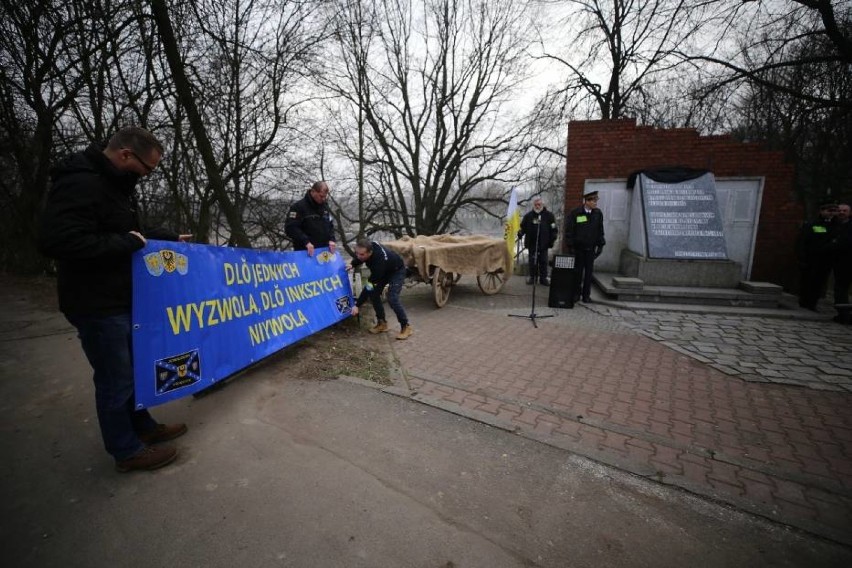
x: 43, y: 50
x: 432, y: 80
x: 817, y: 137
x: 770, y: 43
x: 240, y: 61
x: 186, y: 94
x: 616, y: 49
x: 780, y: 71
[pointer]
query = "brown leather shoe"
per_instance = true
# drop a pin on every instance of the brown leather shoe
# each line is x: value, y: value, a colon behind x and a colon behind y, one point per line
x: 147, y: 458
x: 163, y: 433
x: 405, y: 333
x: 380, y: 327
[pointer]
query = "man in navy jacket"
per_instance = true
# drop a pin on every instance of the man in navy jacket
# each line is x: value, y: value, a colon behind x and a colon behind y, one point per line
x: 386, y: 269
x: 309, y: 223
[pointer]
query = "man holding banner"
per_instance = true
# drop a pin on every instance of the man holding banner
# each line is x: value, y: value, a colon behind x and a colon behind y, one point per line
x: 91, y: 227
x: 386, y: 269
x: 309, y: 224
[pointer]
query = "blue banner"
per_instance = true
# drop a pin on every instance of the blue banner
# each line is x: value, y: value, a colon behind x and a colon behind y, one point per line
x: 201, y: 313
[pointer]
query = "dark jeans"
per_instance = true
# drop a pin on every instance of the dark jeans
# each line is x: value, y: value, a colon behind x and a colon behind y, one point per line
x: 538, y: 266
x: 106, y: 342
x: 397, y: 279
x: 585, y: 264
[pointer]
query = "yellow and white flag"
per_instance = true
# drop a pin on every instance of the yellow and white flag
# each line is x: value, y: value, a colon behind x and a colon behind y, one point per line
x: 511, y: 226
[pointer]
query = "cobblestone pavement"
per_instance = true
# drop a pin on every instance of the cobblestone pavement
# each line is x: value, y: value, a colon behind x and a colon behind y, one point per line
x: 812, y: 354
x: 661, y: 395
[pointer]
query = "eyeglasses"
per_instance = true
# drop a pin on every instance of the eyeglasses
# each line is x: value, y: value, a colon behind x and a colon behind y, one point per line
x: 148, y: 167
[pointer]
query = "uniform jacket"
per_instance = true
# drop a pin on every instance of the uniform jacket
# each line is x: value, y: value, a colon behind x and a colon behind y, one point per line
x: 383, y: 264
x: 534, y: 222
x: 584, y: 230
x: 814, y: 241
x: 90, y: 210
x: 309, y: 222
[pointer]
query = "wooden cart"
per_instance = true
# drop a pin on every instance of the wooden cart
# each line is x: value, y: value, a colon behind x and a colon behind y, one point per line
x: 441, y: 260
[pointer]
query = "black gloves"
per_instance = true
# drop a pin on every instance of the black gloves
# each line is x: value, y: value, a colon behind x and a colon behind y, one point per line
x: 598, y: 250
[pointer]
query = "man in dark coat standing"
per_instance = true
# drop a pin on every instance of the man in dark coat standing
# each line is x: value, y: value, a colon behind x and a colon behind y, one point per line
x: 538, y: 228
x: 309, y: 223
x: 91, y: 226
x: 584, y: 238
x: 813, y: 251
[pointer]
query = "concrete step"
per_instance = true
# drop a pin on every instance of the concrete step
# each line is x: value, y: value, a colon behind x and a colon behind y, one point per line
x: 753, y: 295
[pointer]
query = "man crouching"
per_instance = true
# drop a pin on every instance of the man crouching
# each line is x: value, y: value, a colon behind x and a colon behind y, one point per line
x: 386, y: 269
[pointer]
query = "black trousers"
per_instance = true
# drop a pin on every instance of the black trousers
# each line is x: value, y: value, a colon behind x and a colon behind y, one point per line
x: 538, y: 266
x: 814, y: 279
x: 585, y: 265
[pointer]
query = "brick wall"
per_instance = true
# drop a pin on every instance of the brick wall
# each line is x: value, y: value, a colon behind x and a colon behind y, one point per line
x: 612, y: 149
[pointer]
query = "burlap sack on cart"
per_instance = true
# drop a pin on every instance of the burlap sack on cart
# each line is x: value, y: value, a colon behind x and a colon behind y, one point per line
x: 468, y: 254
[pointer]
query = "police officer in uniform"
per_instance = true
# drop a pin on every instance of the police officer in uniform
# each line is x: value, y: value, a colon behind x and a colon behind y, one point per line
x: 309, y: 223
x: 812, y: 249
x: 584, y: 238
x: 538, y: 228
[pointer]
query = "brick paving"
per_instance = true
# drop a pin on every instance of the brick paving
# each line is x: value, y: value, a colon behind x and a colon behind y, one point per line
x: 600, y: 384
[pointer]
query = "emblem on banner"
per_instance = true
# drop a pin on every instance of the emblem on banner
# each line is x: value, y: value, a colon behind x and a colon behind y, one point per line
x: 169, y: 262
x: 153, y: 264
x: 343, y: 304
x: 177, y: 371
x: 325, y: 257
x: 166, y: 261
x: 182, y: 264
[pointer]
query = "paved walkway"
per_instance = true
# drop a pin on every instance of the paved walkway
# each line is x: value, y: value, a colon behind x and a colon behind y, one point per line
x: 693, y: 401
x: 812, y: 354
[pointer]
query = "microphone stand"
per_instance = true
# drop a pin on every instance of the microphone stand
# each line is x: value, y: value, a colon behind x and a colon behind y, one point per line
x: 535, y: 259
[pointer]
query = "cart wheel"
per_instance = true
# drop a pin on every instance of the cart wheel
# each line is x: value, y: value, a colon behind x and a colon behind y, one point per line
x: 491, y: 282
x: 441, y: 284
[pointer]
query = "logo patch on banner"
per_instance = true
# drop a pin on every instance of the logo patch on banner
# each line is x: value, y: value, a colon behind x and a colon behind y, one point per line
x: 166, y: 260
x: 325, y: 257
x: 178, y: 371
x: 343, y: 304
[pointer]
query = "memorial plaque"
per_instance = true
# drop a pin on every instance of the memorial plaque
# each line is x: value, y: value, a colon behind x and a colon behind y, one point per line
x: 682, y: 219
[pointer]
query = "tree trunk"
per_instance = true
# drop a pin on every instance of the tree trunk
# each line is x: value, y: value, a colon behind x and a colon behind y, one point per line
x: 205, y: 148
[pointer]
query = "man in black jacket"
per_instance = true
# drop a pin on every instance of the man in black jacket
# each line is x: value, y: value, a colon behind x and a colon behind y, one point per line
x: 584, y: 237
x: 538, y: 228
x: 309, y: 223
x: 386, y: 269
x: 91, y: 227
x: 812, y: 250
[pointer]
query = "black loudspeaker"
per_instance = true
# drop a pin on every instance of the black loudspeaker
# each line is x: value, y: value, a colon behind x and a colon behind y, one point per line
x: 563, y: 282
